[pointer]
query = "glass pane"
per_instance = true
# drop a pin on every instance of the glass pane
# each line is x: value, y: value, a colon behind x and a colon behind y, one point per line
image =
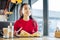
x: 37, y: 12
x: 53, y: 17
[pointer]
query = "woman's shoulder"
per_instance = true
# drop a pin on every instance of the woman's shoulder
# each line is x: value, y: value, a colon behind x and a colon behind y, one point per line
x: 33, y: 20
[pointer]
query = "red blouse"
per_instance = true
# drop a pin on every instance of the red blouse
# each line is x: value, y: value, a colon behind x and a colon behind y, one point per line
x: 29, y: 26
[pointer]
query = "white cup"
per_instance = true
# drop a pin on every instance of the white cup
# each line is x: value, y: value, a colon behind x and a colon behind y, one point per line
x: 5, y: 33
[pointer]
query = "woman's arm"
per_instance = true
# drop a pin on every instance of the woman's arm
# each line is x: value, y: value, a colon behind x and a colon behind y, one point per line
x: 35, y: 26
x: 17, y: 28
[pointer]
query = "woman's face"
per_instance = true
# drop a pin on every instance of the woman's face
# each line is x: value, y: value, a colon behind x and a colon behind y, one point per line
x: 26, y: 10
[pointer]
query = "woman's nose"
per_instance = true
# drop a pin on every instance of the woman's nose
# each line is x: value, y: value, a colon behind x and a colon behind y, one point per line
x: 28, y: 10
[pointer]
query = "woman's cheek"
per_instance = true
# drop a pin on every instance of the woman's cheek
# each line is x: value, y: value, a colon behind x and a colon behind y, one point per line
x: 23, y: 11
x: 29, y: 14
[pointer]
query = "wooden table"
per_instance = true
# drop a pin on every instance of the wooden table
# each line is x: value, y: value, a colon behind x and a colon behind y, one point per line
x: 21, y: 39
x: 32, y: 38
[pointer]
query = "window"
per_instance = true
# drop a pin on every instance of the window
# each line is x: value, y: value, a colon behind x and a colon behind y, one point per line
x: 37, y: 12
x: 53, y: 16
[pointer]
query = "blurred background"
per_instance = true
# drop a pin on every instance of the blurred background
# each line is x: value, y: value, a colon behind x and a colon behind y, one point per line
x: 46, y: 13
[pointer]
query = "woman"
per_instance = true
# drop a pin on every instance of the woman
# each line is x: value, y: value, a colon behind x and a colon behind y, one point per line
x: 26, y: 22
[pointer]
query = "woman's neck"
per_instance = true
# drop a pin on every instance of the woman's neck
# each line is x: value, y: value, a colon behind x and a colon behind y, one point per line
x: 26, y: 18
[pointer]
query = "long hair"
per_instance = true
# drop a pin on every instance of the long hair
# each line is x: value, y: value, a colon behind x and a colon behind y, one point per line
x: 21, y: 14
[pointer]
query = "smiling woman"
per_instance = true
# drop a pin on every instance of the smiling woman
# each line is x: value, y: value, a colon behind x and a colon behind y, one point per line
x: 26, y: 22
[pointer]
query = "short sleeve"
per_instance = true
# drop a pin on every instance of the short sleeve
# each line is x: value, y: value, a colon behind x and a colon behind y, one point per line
x: 35, y: 26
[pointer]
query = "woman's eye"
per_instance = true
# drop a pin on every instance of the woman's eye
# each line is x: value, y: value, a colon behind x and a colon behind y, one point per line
x: 27, y: 8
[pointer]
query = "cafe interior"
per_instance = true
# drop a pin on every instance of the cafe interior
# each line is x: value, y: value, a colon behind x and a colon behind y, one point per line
x: 45, y: 12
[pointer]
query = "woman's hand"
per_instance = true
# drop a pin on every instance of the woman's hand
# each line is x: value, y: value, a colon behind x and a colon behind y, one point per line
x: 24, y: 33
x: 36, y: 34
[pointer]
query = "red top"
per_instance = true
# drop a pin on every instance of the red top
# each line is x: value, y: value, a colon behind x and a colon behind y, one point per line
x: 29, y: 26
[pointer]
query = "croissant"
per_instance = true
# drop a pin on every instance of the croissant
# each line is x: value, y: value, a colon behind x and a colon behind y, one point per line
x: 24, y: 33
